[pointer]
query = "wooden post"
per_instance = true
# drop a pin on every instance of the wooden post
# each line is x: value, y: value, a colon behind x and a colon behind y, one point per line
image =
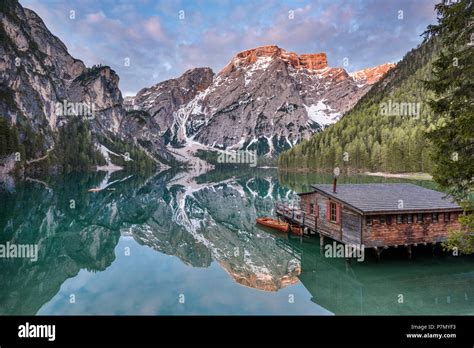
x: 378, y: 251
x: 321, y: 242
x: 409, y: 252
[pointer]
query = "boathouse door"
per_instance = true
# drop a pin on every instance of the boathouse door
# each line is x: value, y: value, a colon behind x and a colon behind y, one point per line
x: 351, y: 227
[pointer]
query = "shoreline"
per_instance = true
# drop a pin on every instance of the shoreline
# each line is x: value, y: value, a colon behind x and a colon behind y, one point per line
x: 414, y: 176
x: 354, y: 171
x: 109, y: 168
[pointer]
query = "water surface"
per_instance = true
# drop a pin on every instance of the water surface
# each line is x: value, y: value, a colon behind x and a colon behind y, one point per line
x: 172, y: 244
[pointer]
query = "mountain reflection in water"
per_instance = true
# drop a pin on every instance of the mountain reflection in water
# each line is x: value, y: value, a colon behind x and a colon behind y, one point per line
x: 111, y: 250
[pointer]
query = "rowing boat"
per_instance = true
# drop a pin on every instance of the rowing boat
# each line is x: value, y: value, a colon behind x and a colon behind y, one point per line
x: 296, y: 230
x: 273, y: 223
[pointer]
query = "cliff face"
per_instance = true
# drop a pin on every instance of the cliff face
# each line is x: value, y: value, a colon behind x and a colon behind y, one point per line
x: 35, y: 71
x: 100, y: 87
x: 314, y: 61
x: 265, y: 99
x: 37, y: 74
x: 163, y: 100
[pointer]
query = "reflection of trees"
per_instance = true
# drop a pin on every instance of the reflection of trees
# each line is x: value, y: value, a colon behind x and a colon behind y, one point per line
x: 74, y: 230
x: 68, y: 241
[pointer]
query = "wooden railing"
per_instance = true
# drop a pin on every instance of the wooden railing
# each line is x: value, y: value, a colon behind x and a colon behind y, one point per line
x: 296, y: 214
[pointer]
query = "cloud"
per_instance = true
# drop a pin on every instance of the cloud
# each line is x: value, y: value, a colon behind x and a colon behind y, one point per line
x: 95, y: 18
x: 153, y: 28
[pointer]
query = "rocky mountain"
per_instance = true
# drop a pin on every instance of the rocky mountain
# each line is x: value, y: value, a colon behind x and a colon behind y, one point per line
x: 36, y: 70
x: 163, y: 100
x: 264, y: 99
x: 44, y: 89
x: 54, y: 109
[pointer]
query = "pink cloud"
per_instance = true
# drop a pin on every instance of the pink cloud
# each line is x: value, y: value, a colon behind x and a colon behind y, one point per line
x: 154, y: 29
x: 96, y: 18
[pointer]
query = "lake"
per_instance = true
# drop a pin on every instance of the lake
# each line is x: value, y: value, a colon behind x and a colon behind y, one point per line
x: 172, y: 244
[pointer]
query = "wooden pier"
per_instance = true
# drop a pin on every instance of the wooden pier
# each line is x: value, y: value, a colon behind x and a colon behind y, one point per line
x: 296, y: 216
x: 308, y: 222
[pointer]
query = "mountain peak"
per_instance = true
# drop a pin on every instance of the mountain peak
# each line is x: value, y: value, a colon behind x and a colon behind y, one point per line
x: 311, y: 61
x: 371, y: 75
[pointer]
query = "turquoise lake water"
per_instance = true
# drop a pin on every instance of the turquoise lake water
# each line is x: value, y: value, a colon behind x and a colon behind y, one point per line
x: 171, y: 245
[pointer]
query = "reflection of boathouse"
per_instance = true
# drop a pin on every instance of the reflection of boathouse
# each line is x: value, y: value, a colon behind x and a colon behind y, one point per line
x: 389, y: 288
x: 375, y: 215
x: 367, y: 291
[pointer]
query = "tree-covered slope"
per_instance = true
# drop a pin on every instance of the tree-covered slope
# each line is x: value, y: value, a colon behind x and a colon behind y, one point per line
x: 386, y: 129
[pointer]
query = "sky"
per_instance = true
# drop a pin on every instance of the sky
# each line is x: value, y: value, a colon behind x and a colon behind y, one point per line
x: 149, y: 41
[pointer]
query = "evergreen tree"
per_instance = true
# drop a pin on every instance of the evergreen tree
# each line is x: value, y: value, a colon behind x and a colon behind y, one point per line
x: 453, y: 86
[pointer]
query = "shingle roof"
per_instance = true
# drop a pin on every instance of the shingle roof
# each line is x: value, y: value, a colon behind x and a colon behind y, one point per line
x: 372, y: 198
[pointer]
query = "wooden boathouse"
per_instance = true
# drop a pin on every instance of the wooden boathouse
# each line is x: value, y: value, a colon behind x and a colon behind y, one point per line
x: 376, y: 216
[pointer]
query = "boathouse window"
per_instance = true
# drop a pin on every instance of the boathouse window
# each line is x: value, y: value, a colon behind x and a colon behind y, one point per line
x: 410, y: 218
x: 368, y: 220
x: 333, y: 212
x: 389, y: 219
x: 447, y: 217
x: 382, y: 219
x: 399, y: 219
x: 434, y: 217
x: 419, y: 218
x: 311, y: 208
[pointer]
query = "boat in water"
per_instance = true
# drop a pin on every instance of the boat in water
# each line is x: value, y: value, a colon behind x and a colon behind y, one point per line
x: 279, y: 225
x: 296, y: 230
